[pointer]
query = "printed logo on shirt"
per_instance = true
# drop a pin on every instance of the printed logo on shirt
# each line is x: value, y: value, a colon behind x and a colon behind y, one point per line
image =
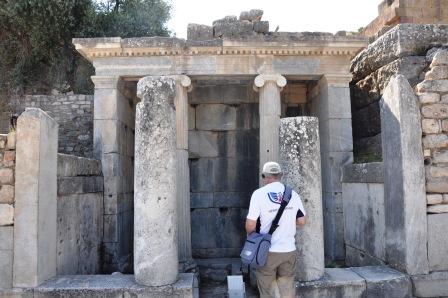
x: 276, y: 198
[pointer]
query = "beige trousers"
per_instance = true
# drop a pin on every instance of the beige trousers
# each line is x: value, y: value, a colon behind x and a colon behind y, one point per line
x: 280, y: 268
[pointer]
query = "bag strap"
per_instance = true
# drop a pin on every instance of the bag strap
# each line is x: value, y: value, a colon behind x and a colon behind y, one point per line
x: 286, y: 197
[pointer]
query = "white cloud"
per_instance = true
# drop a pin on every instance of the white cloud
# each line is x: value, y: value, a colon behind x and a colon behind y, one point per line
x: 289, y: 15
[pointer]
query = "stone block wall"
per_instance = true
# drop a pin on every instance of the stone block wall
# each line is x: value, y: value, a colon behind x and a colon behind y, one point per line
x: 80, y: 215
x: 406, y: 49
x: 393, y: 12
x: 433, y: 96
x: 73, y: 113
x: 364, y: 221
x: 7, y: 169
x: 223, y: 149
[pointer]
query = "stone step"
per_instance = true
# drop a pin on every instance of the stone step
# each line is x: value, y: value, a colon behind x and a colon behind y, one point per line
x: 113, y: 286
x: 369, y: 281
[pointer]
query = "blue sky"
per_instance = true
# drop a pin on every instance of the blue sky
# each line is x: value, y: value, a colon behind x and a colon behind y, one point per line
x: 289, y: 15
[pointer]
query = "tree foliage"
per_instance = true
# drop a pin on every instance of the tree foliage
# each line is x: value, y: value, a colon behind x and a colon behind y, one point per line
x: 36, y: 53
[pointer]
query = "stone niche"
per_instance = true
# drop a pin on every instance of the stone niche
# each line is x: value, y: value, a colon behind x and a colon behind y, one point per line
x: 224, y: 159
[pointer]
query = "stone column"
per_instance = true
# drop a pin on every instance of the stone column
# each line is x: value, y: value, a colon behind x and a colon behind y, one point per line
x: 183, y: 85
x: 300, y: 158
x: 113, y: 124
x: 35, y: 217
x: 269, y: 87
x: 404, y: 179
x: 332, y: 106
x: 155, y: 221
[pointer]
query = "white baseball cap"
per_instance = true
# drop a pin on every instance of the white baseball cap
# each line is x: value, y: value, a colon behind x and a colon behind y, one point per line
x: 271, y: 167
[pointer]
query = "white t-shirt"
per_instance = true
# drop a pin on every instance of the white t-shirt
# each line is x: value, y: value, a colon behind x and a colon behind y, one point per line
x: 265, y: 203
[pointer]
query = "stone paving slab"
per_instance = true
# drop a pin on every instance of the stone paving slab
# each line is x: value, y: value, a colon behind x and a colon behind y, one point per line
x: 114, y: 286
x: 384, y: 282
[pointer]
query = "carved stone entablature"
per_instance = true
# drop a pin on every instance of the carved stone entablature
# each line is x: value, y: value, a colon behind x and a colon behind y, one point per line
x: 93, y: 48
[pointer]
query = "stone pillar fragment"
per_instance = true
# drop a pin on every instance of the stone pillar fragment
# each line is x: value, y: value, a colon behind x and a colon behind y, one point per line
x: 155, y: 220
x: 404, y: 179
x: 269, y: 87
x: 300, y: 158
x: 183, y: 85
x: 35, y: 199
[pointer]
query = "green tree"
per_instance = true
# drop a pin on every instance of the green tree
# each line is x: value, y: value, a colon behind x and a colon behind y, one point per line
x: 36, y: 53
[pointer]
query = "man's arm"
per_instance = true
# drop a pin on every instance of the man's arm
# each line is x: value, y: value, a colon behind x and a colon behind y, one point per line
x: 250, y: 226
x: 301, y: 221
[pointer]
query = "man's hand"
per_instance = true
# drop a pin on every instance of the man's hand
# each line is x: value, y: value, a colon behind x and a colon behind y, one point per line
x: 301, y: 221
x: 250, y: 226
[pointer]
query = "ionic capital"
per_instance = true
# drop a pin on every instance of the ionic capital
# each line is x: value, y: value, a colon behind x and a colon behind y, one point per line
x: 261, y: 80
x: 106, y: 82
x: 184, y: 81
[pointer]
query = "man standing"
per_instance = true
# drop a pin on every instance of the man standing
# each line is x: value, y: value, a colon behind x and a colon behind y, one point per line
x: 264, y: 204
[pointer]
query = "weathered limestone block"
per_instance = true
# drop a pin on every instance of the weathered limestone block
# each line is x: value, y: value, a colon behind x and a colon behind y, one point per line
x: 215, y: 117
x: 261, y: 27
x: 437, y: 73
x: 6, y: 176
x: 429, y: 98
x: 445, y: 199
x: 300, y: 158
x: 442, y: 208
x: 229, y: 27
x: 35, y: 211
x: 434, y: 284
x: 440, y: 156
x: 6, y: 215
x: 437, y: 241
x: 71, y: 166
x: 199, y: 32
x: 7, y: 194
x: 382, y: 281
x: 404, y: 187
x: 435, y: 141
x: 402, y: 40
x: 445, y: 125
x: 155, y: 202
x: 433, y: 86
x: 372, y: 172
x: 430, y: 126
x: 437, y: 111
x: 440, y: 58
x: 6, y: 265
x: 435, y: 171
x: 6, y: 238
x: 437, y: 185
x: 203, y: 143
x: 434, y: 199
x: 251, y: 15
x: 11, y: 143
x: 363, y: 209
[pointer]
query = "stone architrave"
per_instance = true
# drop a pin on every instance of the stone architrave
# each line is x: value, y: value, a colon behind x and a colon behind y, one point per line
x: 35, y: 213
x: 300, y: 159
x: 155, y: 201
x: 269, y: 87
x: 183, y: 85
x: 404, y: 179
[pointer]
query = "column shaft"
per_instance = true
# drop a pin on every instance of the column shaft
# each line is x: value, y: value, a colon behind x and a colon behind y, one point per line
x: 183, y: 83
x: 300, y: 158
x: 269, y: 87
x: 155, y: 200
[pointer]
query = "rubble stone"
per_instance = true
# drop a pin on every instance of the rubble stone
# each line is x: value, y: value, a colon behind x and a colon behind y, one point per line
x: 7, y: 194
x: 440, y: 58
x: 437, y: 73
x: 437, y: 110
x: 6, y: 176
x: 433, y: 86
x: 261, y: 27
x: 429, y: 98
x: 251, y: 15
x: 434, y: 199
x: 199, y: 32
x: 441, y: 208
x: 6, y: 215
x: 430, y: 126
x: 435, y: 141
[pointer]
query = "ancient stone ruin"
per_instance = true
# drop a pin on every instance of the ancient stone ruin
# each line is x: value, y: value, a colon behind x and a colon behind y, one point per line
x: 167, y: 152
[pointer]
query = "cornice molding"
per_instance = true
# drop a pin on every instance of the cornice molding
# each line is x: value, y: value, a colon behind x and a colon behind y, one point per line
x: 115, y: 47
